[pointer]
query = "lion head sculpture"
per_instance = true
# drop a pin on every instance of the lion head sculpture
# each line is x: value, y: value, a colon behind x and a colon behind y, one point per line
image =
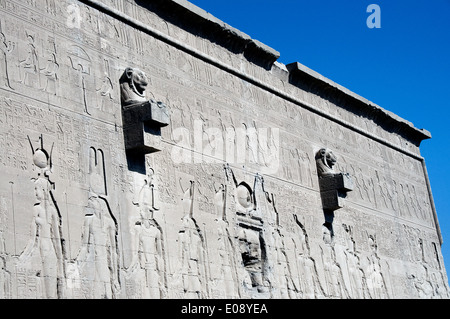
x: 325, y: 160
x: 133, y: 83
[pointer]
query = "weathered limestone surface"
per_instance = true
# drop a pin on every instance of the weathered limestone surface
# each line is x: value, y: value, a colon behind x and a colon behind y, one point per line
x: 152, y: 151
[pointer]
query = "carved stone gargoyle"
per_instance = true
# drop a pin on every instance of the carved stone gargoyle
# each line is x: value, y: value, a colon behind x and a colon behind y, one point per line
x: 142, y: 118
x: 333, y: 186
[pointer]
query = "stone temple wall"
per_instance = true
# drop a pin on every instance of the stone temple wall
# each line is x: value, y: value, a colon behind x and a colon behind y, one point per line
x: 152, y: 151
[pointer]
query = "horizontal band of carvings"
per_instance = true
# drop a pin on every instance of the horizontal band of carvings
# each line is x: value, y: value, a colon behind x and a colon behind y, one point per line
x: 301, y: 76
x: 187, y: 15
x: 194, y: 52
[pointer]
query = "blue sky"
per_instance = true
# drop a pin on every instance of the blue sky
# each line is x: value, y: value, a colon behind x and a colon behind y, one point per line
x: 404, y: 66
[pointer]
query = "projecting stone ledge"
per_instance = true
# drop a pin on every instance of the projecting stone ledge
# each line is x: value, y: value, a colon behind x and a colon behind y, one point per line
x: 142, y: 119
x: 333, y: 186
x: 190, y: 17
x: 142, y: 126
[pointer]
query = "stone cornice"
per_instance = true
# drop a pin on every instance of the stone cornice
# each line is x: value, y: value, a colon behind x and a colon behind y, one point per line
x: 196, y: 20
x: 305, y: 78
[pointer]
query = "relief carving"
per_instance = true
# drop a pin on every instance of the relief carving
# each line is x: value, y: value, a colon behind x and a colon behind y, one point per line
x: 142, y: 118
x: 376, y: 278
x: 356, y: 275
x: 283, y: 285
x: 44, y: 253
x: 228, y: 282
x: 51, y: 69
x: 30, y: 66
x: 333, y: 186
x: 124, y: 242
x: 6, y: 48
x: 334, y: 277
x: 148, y: 264
x: 81, y: 63
x: 192, y: 251
x: 98, y: 257
x: 251, y: 244
x: 311, y: 286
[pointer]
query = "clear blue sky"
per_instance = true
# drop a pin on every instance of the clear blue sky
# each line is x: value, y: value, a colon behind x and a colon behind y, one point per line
x: 404, y: 66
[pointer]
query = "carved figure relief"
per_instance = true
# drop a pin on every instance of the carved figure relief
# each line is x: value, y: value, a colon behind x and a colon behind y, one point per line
x: 98, y: 255
x: 6, y: 48
x: 45, y: 250
x: 50, y: 71
x: 229, y: 274
x: 249, y: 235
x: 310, y: 284
x: 30, y: 66
x: 376, y: 282
x: 142, y: 118
x: 148, y: 264
x: 133, y: 84
x: 5, y: 274
x: 357, y: 277
x: 242, y: 241
x: 277, y: 250
x: 192, y: 251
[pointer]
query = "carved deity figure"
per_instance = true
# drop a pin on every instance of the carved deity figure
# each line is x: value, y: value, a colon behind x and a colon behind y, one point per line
x: 142, y: 118
x: 5, y: 280
x: 192, y: 251
x: 228, y: 281
x: 6, y: 47
x: 375, y: 280
x: 148, y: 245
x: 98, y: 258
x: 133, y: 84
x: 282, y: 268
x: 333, y: 272
x: 50, y: 72
x: 249, y: 234
x: 30, y: 65
x: 309, y: 280
x: 45, y: 248
x: 333, y: 186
